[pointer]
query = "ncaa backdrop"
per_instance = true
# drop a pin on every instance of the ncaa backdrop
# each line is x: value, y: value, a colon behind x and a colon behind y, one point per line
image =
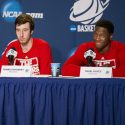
x: 63, y: 23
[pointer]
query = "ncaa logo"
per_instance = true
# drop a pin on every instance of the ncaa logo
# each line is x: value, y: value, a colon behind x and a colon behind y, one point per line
x: 10, y: 10
x: 88, y: 11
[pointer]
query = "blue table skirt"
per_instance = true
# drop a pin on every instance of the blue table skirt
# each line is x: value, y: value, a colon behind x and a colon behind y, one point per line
x: 57, y: 101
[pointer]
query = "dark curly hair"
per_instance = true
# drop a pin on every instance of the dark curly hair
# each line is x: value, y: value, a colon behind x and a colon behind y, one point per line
x: 106, y: 24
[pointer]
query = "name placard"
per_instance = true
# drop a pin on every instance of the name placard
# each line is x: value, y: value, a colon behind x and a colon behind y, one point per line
x: 16, y: 71
x: 96, y: 72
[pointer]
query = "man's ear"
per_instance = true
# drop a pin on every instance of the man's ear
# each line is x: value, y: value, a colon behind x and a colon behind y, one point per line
x: 31, y: 32
x: 111, y: 36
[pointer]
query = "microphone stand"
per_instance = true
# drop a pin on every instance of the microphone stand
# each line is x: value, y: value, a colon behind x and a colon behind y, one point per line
x: 89, y: 61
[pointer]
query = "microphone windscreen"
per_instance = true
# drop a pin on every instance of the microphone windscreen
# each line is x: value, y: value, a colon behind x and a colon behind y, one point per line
x: 12, y: 52
x: 90, y: 52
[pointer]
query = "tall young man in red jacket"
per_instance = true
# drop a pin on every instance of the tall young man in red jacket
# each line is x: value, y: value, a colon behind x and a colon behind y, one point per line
x: 27, y: 50
x: 108, y: 53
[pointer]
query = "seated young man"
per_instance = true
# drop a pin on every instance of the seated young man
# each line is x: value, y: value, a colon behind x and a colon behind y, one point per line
x: 108, y: 52
x: 26, y: 50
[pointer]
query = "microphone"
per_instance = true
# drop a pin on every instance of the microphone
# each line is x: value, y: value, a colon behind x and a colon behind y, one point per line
x: 89, y: 55
x: 11, y: 54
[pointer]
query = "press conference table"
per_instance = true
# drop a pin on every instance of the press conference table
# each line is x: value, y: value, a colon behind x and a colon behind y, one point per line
x: 62, y: 101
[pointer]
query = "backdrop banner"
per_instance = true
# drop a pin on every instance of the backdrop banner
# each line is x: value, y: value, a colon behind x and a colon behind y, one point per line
x: 64, y: 24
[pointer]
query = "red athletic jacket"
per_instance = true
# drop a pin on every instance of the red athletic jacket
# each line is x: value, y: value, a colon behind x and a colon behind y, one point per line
x: 115, y: 57
x: 39, y: 56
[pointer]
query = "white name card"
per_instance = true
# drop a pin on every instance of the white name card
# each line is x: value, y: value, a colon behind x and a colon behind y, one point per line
x: 96, y: 72
x: 16, y: 71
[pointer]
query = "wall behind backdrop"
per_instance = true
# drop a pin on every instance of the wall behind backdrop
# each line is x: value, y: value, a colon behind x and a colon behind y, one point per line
x: 63, y: 23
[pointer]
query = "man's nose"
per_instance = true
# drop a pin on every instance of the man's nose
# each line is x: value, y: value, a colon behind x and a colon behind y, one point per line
x: 21, y: 33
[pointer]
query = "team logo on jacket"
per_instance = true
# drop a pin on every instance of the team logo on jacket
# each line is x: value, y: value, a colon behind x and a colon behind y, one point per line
x: 29, y: 62
x: 87, y: 12
x: 100, y: 63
